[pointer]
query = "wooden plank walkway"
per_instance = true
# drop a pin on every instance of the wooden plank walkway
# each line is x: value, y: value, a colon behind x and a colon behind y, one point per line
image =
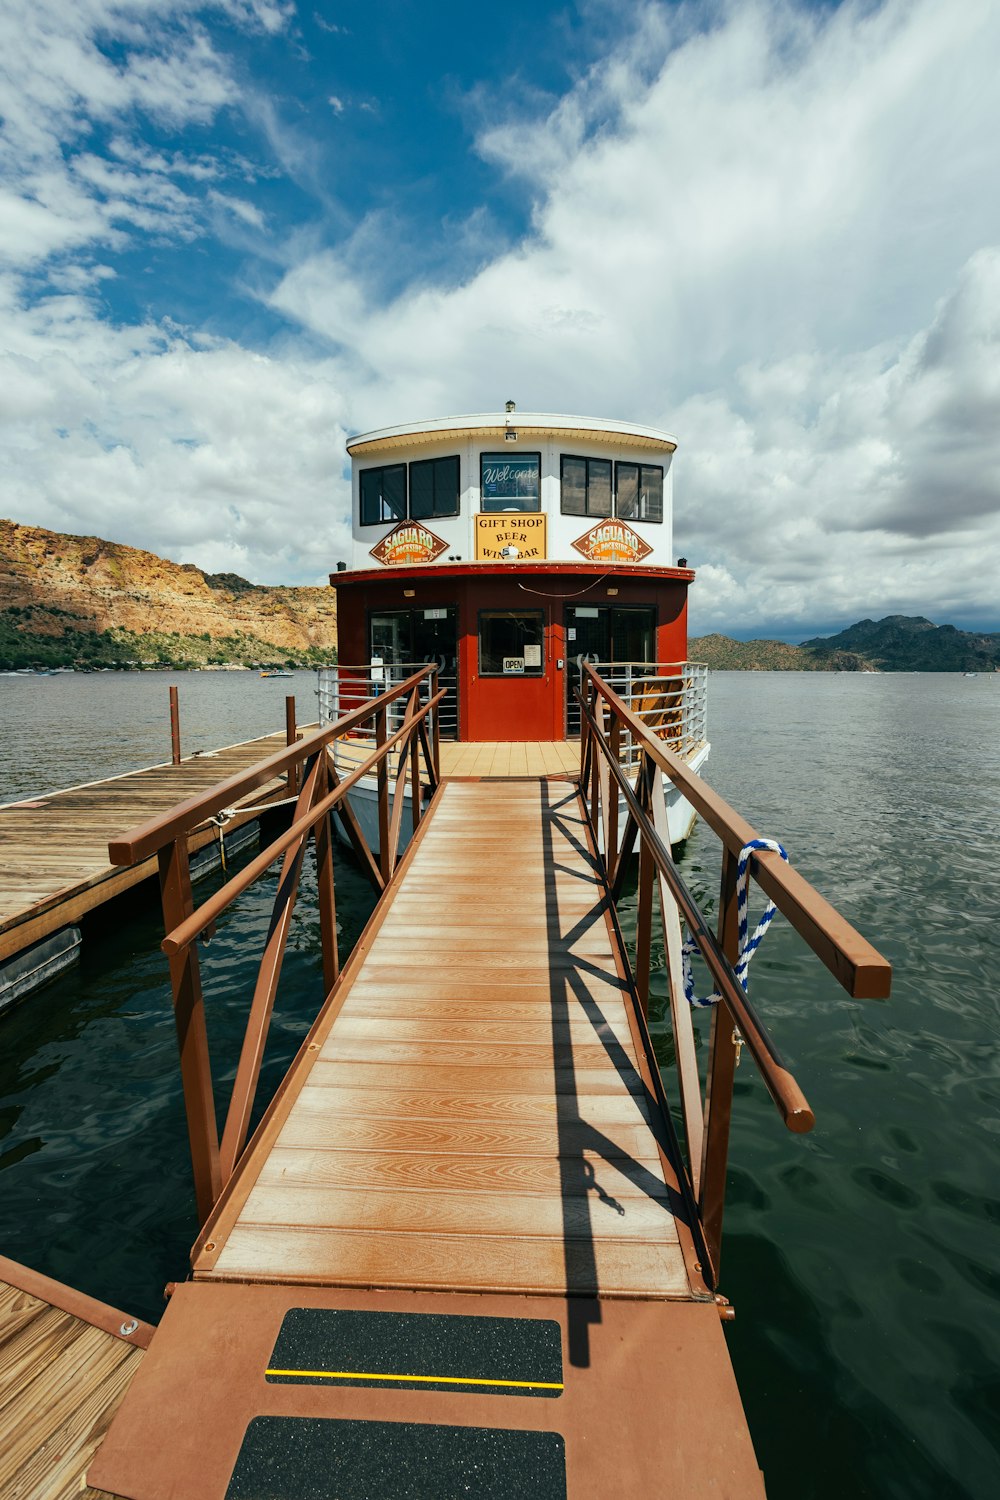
x: 476, y: 1117
x: 65, y: 1365
x: 54, y: 849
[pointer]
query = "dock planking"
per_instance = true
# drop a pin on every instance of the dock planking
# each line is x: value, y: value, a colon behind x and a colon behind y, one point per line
x: 66, y: 1362
x: 54, y: 848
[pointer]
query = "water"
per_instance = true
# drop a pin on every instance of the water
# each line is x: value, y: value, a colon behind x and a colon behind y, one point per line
x: 862, y: 1260
x: 82, y: 726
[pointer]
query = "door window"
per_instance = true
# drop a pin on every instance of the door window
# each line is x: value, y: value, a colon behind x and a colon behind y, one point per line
x: 511, y: 642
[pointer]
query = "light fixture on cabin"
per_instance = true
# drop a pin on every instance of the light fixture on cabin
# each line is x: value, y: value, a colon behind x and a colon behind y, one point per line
x: 510, y: 436
x: 409, y: 593
x: 682, y: 562
x: 612, y: 591
x: 510, y: 406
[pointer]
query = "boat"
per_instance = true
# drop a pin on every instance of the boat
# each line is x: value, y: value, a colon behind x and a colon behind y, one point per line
x: 275, y: 673
x: 510, y: 549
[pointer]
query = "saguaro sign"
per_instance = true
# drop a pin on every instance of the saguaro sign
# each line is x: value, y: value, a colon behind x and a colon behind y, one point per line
x: 408, y: 543
x: 612, y: 542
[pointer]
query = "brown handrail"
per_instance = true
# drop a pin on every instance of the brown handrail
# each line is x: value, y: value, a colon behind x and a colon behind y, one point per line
x: 137, y: 844
x: 211, y: 909
x: 780, y: 1083
x: 859, y: 968
x: 309, y: 768
x: 853, y: 961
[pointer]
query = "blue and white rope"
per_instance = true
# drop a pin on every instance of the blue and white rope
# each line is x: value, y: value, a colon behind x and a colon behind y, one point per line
x: 748, y: 945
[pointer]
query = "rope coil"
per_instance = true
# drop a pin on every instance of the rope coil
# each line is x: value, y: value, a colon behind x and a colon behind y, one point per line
x: 748, y: 945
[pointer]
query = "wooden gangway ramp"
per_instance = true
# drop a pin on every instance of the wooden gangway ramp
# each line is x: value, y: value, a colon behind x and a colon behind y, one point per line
x: 455, y: 1259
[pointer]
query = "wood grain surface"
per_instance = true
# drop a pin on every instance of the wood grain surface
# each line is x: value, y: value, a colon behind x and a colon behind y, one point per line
x: 476, y: 1118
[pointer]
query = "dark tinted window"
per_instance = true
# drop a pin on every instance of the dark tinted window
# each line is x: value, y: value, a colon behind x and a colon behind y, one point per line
x: 383, y: 495
x: 434, y: 488
x: 639, y: 492
x: 585, y: 486
x: 511, y: 642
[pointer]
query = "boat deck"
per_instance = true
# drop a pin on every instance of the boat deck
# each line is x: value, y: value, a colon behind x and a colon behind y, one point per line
x: 54, y: 849
x: 486, y: 758
x: 476, y: 1117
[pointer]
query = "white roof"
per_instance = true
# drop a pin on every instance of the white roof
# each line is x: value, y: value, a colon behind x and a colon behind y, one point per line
x: 493, y: 424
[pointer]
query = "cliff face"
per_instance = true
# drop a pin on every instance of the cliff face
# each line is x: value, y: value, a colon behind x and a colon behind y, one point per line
x: 52, y: 585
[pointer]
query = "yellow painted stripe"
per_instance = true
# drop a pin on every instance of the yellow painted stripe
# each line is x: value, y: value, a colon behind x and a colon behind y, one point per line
x: 533, y: 1385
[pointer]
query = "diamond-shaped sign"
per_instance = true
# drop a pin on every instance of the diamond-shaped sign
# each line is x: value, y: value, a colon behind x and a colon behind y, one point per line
x: 612, y: 542
x: 409, y: 542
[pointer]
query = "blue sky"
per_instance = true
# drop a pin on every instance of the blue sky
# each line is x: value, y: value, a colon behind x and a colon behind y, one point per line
x: 232, y: 233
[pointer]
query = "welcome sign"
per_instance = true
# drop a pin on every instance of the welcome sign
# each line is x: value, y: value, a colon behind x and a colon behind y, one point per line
x: 408, y: 543
x: 612, y: 542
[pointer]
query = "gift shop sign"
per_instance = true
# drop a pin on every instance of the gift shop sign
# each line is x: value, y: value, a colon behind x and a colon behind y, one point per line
x: 408, y: 543
x: 612, y: 542
x: 510, y: 538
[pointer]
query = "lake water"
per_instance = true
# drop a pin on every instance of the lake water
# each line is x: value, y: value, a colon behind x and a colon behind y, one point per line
x: 862, y: 1260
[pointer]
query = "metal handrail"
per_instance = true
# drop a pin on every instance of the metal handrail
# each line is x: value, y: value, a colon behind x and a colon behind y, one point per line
x: 862, y: 971
x: 308, y: 767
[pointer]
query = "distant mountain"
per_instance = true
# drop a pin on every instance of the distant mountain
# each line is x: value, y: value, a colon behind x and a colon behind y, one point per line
x: 82, y: 601
x: 904, y: 643
x: 725, y: 655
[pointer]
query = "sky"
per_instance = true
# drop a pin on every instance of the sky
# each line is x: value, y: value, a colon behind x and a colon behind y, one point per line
x: 233, y: 233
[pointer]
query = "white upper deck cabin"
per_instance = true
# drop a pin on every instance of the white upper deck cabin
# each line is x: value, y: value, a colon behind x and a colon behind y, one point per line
x: 511, y: 487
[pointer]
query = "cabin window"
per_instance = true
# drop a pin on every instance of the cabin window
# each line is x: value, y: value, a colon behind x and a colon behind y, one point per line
x: 510, y: 482
x: 585, y: 486
x: 383, y: 495
x: 434, y: 488
x: 511, y: 642
x: 639, y: 492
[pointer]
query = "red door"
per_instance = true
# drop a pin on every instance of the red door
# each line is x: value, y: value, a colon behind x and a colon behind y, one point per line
x: 513, y: 694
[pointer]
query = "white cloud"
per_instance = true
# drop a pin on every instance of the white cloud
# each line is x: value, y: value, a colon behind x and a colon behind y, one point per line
x: 765, y: 227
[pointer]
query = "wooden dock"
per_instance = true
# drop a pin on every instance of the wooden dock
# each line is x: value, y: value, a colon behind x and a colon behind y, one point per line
x: 54, y: 865
x: 66, y: 1361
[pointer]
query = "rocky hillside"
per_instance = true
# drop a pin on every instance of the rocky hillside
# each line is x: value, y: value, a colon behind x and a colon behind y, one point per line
x: 78, y: 601
x: 725, y: 655
x: 905, y: 643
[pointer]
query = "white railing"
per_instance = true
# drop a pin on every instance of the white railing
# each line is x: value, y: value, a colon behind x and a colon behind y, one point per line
x: 343, y: 687
x: 671, y: 698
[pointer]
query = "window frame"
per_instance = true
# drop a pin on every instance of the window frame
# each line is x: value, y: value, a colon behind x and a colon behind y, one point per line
x: 419, y: 463
x: 382, y: 520
x: 587, y: 513
x: 522, y: 510
x: 631, y: 463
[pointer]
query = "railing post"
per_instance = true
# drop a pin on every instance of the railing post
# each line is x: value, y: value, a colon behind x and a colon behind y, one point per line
x: 325, y: 887
x: 720, y: 1077
x: 381, y: 735
x: 175, y: 728
x: 436, y: 723
x: 291, y: 734
x: 192, y: 1035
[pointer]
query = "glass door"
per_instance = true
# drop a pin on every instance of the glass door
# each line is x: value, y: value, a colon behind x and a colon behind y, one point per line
x: 602, y: 633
